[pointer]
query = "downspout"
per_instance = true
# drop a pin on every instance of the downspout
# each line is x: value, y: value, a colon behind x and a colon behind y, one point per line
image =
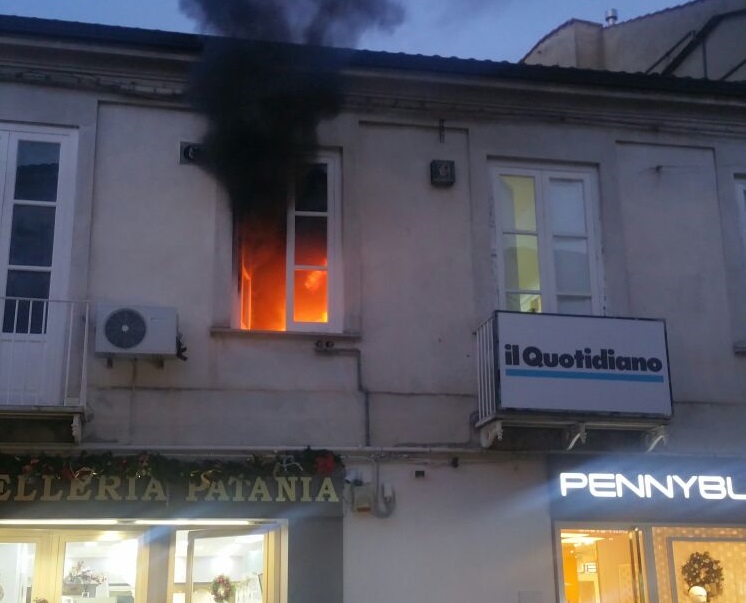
x: 326, y: 347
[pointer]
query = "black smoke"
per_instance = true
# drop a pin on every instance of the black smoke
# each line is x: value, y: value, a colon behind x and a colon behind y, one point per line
x: 264, y: 94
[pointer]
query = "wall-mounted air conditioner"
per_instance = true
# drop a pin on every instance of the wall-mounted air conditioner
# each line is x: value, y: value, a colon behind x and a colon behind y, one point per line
x: 126, y: 330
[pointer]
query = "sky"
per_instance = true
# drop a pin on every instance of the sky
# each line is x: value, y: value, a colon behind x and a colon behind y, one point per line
x: 500, y: 30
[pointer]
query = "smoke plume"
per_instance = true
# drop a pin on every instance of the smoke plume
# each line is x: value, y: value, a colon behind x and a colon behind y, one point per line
x: 263, y: 100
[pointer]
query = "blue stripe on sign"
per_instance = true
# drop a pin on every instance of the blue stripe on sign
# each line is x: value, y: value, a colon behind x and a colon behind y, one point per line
x: 512, y: 372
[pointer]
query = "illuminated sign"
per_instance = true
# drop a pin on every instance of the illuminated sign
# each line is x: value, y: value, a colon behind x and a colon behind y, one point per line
x: 646, y: 486
x: 582, y: 364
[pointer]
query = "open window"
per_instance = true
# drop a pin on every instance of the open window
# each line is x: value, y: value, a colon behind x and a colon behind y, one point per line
x: 290, y: 264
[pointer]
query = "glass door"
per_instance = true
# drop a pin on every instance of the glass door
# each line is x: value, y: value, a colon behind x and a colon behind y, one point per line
x: 225, y: 566
x: 21, y: 567
x: 75, y: 566
x: 100, y: 567
x: 36, y: 231
x: 602, y: 566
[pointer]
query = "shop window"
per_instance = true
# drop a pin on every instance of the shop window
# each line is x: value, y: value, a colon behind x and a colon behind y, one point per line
x: 73, y: 562
x: 546, y: 239
x: 290, y: 264
x: 599, y: 566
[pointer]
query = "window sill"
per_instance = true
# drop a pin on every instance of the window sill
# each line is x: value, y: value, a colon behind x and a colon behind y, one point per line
x: 739, y: 348
x: 302, y: 335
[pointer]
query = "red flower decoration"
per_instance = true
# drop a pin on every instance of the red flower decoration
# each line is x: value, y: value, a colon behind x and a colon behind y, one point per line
x: 326, y: 464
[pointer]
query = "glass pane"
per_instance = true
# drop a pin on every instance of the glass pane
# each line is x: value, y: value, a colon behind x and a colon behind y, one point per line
x: 571, y: 265
x: 311, y: 189
x: 238, y: 558
x: 574, y: 305
x: 521, y: 262
x: 518, y: 203
x: 23, y: 316
x: 32, y: 235
x: 263, y: 271
x: 598, y: 566
x: 101, y: 568
x: 310, y: 304
x: 17, y: 569
x: 524, y: 302
x: 310, y: 241
x: 567, y: 206
x: 37, y: 170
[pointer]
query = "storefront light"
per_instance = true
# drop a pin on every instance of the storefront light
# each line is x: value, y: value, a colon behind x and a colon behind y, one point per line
x: 193, y: 522
x: 58, y: 522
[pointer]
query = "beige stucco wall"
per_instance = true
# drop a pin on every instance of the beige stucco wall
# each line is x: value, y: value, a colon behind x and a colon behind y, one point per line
x: 419, y: 276
x: 480, y: 532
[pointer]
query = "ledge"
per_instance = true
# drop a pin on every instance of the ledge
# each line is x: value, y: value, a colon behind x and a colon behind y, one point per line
x: 301, y: 335
x: 36, y: 424
x: 739, y: 348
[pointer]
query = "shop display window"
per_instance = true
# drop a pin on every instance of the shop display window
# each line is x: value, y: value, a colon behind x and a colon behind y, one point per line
x: 664, y: 564
x: 133, y: 561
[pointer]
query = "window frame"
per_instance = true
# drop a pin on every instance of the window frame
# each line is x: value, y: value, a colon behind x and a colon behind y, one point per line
x: 332, y: 159
x: 334, y: 323
x: 542, y: 174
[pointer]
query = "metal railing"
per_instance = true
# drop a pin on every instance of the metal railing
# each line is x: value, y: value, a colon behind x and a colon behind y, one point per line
x: 486, y: 367
x: 43, y: 352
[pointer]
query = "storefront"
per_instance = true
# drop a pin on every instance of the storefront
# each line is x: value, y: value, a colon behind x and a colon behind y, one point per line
x: 640, y: 529
x: 134, y: 529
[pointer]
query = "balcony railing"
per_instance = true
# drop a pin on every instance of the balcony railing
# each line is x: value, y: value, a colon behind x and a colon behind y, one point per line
x: 486, y: 367
x: 43, y: 351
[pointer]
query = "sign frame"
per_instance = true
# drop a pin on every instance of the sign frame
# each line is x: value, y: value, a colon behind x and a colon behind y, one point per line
x: 630, y: 380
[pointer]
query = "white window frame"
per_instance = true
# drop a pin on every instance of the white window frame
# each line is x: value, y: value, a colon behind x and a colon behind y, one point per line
x: 542, y: 174
x: 335, y: 305
x: 334, y: 250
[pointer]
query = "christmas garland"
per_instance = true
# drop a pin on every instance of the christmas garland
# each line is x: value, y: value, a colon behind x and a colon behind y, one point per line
x: 85, y: 465
x: 221, y: 588
x: 702, y: 570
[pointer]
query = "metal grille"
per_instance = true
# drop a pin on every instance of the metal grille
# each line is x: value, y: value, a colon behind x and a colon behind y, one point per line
x: 486, y: 386
x: 43, y: 350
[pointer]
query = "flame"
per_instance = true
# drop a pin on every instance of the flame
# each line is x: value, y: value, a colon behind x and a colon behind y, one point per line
x: 263, y: 281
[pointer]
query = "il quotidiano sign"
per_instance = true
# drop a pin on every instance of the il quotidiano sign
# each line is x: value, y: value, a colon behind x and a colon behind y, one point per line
x: 582, y: 364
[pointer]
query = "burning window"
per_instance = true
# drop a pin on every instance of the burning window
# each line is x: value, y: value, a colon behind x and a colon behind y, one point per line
x: 289, y: 269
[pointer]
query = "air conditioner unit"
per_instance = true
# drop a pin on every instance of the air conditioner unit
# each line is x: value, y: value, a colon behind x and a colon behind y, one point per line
x: 124, y: 330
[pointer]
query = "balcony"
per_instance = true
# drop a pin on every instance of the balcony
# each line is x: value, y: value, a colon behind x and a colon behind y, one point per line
x: 43, y: 368
x: 544, y: 381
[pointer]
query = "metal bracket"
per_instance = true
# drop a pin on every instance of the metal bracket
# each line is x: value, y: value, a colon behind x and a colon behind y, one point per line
x: 657, y: 435
x: 574, y: 433
x: 491, y: 432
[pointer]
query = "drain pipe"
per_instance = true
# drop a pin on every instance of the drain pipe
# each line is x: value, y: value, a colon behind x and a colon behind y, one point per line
x: 326, y: 347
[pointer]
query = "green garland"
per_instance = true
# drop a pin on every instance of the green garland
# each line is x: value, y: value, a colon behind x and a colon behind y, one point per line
x: 221, y: 588
x: 85, y: 465
x: 702, y: 570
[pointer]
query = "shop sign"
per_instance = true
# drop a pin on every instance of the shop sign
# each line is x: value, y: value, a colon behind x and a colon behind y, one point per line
x: 648, y: 489
x: 644, y: 485
x: 584, y: 364
x: 151, y: 486
x: 292, y: 489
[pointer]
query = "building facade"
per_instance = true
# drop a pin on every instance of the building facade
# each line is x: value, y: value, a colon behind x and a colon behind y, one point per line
x: 308, y: 399
x: 700, y: 39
